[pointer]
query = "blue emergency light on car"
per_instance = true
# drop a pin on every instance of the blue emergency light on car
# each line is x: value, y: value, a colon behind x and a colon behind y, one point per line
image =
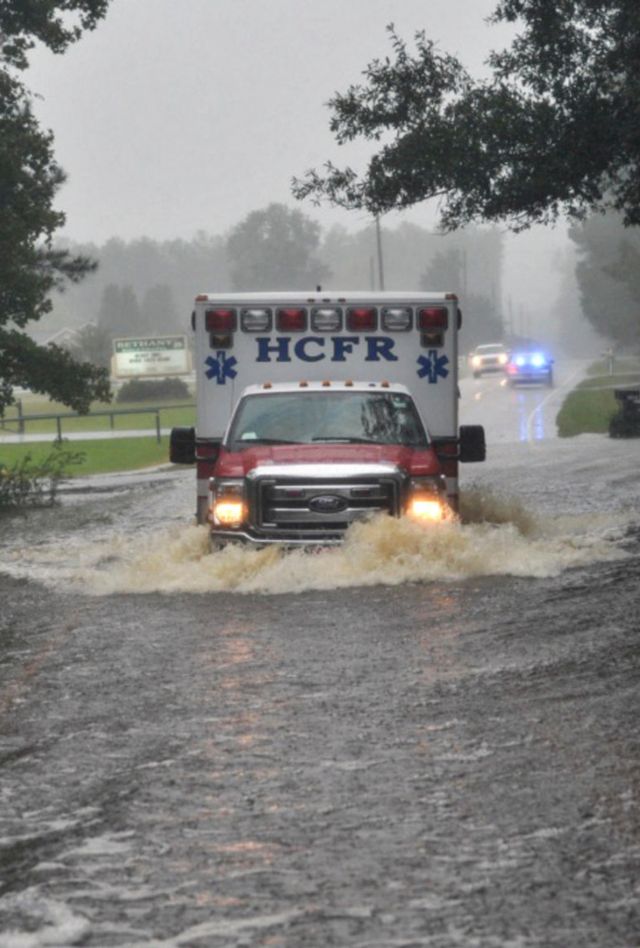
x: 530, y: 366
x: 536, y: 359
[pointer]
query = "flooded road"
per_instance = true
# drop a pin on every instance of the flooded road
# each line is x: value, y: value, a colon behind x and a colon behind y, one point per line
x: 417, y: 740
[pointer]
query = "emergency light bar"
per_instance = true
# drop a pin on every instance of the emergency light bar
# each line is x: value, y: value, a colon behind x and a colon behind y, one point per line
x: 326, y: 320
x: 291, y: 320
x: 361, y: 320
x: 432, y: 317
x: 220, y: 321
x: 397, y: 319
x: 255, y: 320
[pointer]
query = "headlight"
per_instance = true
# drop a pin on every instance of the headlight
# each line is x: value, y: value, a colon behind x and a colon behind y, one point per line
x: 427, y: 499
x: 227, y: 502
x: 476, y: 360
x: 503, y: 358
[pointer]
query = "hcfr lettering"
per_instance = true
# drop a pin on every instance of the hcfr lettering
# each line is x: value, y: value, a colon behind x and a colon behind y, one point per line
x: 317, y: 348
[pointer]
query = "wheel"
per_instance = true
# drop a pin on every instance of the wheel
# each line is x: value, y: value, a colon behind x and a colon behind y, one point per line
x: 550, y: 379
x: 477, y: 375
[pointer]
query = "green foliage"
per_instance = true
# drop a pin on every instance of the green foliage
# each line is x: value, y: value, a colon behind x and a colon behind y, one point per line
x: 55, y: 24
x: 275, y: 249
x: 149, y: 390
x: 34, y: 482
x: 555, y: 128
x: 590, y: 407
x: 586, y: 411
x: 30, y: 266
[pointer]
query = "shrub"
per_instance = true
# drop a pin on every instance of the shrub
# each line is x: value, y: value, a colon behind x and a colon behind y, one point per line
x: 35, y: 483
x: 147, y: 390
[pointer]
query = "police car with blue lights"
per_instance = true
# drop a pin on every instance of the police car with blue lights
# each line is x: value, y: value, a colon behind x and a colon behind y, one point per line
x: 529, y: 365
x: 315, y: 410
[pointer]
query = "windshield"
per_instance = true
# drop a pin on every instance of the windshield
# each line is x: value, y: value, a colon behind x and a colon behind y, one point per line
x: 338, y: 417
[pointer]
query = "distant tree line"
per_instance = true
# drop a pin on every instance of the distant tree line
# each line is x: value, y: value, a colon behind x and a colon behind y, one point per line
x: 608, y: 276
x: 146, y: 287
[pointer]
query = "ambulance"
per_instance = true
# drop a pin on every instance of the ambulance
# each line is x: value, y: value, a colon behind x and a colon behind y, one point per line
x: 316, y: 410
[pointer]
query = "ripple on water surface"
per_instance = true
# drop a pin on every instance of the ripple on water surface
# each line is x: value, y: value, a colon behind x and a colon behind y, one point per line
x: 496, y: 537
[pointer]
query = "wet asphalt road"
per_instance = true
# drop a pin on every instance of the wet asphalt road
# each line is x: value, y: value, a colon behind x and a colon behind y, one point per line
x: 434, y: 762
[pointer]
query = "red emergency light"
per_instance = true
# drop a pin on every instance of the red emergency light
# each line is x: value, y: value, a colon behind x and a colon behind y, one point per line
x: 291, y: 320
x: 220, y: 321
x: 433, y: 317
x: 361, y: 319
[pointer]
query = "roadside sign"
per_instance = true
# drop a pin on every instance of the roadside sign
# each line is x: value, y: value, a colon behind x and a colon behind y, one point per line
x: 151, y: 356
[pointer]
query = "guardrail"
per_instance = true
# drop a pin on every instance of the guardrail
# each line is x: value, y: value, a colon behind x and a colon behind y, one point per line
x: 21, y: 420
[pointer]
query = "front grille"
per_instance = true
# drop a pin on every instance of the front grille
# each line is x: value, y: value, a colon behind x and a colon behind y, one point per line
x: 303, y: 508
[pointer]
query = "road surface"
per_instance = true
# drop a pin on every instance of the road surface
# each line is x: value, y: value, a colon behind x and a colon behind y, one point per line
x: 417, y: 740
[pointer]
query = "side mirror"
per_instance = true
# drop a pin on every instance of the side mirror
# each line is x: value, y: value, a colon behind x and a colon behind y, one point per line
x: 182, y: 446
x: 473, y: 446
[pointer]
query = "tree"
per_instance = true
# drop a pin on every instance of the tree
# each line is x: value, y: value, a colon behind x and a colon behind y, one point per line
x: 481, y: 323
x: 555, y: 128
x: 158, y: 310
x: 30, y: 266
x: 608, y: 275
x: 275, y: 249
x: 55, y: 24
x: 119, y: 312
x: 92, y: 344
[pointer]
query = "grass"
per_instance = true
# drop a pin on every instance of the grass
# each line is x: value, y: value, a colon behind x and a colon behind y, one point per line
x: 588, y: 409
x: 99, y: 457
x: 182, y: 415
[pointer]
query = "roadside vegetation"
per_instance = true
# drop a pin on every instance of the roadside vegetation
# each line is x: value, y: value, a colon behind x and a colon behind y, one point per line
x: 174, y: 412
x: 32, y: 479
x: 589, y: 408
x: 87, y: 457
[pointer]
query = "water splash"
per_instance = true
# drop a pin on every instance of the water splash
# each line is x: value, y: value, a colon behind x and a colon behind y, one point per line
x: 495, y: 537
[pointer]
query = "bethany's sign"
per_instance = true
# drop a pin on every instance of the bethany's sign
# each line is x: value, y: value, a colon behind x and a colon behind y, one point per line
x: 150, y: 356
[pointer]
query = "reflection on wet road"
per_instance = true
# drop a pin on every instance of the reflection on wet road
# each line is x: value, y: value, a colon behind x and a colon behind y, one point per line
x: 525, y: 412
x: 413, y: 741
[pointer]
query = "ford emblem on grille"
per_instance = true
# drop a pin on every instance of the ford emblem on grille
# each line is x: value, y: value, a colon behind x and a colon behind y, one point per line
x: 328, y: 503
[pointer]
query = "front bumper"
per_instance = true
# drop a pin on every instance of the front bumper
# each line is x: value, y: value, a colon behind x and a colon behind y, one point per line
x: 296, y: 506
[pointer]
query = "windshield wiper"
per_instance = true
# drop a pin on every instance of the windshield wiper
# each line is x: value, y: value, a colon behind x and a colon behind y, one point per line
x: 250, y: 441
x: 338, y: 440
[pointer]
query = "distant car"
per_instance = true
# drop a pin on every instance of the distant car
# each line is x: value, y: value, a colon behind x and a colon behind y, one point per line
x: 492, y: 357
x: 530, y: 365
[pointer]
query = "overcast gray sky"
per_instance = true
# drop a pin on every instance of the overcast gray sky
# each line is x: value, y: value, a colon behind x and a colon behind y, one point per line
x: 176, y: 116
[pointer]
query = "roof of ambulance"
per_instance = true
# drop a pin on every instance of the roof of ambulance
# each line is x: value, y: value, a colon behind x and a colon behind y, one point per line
x: 327, y: 296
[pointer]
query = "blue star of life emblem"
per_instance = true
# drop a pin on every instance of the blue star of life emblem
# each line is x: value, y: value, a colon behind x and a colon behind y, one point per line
x: 433, y: 366
x: 222, y: 367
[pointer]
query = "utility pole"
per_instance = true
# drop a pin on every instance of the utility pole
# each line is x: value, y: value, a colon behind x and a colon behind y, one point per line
x: 379, y: 246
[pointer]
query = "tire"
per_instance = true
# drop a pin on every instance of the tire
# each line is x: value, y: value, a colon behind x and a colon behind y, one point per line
x: 477, y: 375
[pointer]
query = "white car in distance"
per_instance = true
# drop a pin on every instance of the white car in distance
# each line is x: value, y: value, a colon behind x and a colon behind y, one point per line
x: 492, y: 357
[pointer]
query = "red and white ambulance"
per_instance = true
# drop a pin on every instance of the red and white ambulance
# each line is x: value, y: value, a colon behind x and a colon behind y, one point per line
x: 315, y: 410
